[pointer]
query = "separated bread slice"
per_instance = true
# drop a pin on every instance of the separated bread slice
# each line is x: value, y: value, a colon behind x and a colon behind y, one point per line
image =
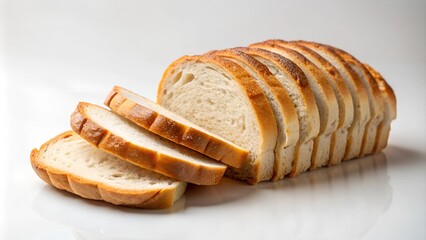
x: 294, y: 81
x: 343, y: 95
x: 324, y: 96
x: 389, y: 97
x: 173, y: 127
x: 282, y: 106
x: 374, y: 98
x: 69, y: 163
x: 358, y: 93
x: 222, y: 97
x: 117, y: 135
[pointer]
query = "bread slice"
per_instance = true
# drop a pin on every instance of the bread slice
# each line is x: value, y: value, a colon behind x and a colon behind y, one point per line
x: 173, y: 127
x: 294, y: 81
x: 389, y: 110
x: 222, y: 97
x: 282, y: 106
x: 374, y: 98
x: 70, y: 163
x: 358, y: 93
x: 117, y: 135
x: 343, y: 96
x: 324, y: 96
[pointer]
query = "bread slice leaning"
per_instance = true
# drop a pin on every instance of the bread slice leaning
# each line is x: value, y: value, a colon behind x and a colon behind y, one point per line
x: 389, y: 110
x: 294, y: 81
x: 70, y: 163
x: 374, y: 98
x: 282, y: 106
x: 358, y: 92
x: 173, y: 127
x: 324, y: 96
x: 117, y: 135
x: 222, y: 97
x: 343, y: 95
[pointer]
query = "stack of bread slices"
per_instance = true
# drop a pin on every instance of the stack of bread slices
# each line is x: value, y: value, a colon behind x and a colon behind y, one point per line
x: 272, y: 110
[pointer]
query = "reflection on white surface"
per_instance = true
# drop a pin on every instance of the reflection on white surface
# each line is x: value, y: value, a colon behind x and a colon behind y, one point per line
x: 344, y: 201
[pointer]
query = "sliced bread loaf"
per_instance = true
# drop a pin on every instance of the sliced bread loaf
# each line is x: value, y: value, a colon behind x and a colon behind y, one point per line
x: 389, y: 110
x: 282, y: 106
x: 343, y: 95
x: 374, y: 98
x: 171, y: 126
x: 126, y: 140
x: 69, y: 163
x: 358, y: 93
x: 222, y: 97
x: 324, y: 96
x: 294, y: 81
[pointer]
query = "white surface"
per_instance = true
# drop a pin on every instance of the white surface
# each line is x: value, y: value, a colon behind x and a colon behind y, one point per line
x: 54, y: 54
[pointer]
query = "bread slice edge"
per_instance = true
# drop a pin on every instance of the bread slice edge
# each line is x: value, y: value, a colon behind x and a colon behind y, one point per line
x: 89, y: 189
x: 141, y: 156
x: 173, y: 129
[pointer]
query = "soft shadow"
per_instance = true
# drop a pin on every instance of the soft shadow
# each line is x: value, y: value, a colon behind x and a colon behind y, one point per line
x: 227, y: 191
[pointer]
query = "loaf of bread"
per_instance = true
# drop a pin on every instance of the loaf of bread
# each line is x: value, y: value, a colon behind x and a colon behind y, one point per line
x: 272, y: 110
x: 343, y: 107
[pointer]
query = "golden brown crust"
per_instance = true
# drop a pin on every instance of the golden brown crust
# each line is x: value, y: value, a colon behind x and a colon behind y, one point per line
x: 390, y: 110
x: 360, y: 89
x: 175, y: 130
x: 291, y: 121
x: 147, y: 158
x: 329, y: 123
x: 325, y: 99
x: 347, y: 114
x: 359, y: 97
x: 156, y: 198
x: 281, y: 96
x: 385, y: 88
x: 376, y: 102
x: 343, y: 95
x: 308, y: 98
x: 299, y: 78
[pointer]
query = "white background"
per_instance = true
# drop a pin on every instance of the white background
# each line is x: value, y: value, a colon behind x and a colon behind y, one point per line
x: 56, y: 53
